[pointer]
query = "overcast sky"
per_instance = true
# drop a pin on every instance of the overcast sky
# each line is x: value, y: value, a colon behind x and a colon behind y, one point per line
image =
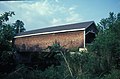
x: 46, y: 13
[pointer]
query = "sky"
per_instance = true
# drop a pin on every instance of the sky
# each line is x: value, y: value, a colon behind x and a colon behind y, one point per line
x: 46, y: 13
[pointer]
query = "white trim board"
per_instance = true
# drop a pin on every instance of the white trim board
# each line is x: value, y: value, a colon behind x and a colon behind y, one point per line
x: 49, y: 32
x: 90, y: 32
x: 84, y: 38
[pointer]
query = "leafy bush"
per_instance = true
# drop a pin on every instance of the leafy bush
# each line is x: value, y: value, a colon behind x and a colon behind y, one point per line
x: 114, y: 74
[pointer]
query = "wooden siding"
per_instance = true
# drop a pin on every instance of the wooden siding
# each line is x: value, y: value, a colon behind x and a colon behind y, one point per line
x: 66, y: 39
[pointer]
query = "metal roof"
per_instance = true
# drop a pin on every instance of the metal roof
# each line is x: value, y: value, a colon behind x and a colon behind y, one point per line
x: 58, y: 28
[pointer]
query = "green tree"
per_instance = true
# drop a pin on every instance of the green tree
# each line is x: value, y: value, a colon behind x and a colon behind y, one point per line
x: 6, y: 31
x: 106, y: 22
x: 18, y: 26
x: 106, y: 47
x: 6, y: 35
x: 5, y: 16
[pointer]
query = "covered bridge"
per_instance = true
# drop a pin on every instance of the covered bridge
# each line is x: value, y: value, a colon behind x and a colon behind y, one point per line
x: 69, y: 36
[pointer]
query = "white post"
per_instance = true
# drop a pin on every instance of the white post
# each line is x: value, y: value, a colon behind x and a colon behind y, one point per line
x: 84, y: 38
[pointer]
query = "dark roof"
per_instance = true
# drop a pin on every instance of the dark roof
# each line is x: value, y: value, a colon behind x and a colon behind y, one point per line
x: 59, y: 28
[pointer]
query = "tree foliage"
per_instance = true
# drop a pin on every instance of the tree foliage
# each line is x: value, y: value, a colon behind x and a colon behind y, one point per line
x: 106, y: 46
x: 8, y: 31
x: 5, y: 16
x: 18, y: 26
x: 106, y: 23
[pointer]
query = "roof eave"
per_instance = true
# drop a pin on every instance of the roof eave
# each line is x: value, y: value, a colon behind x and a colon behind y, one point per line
x: 49, y: 32
x: 90, y: 24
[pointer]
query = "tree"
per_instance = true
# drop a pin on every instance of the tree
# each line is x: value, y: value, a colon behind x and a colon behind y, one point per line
x: 6, y: 35
x: 106, y: 22
x: 106, y: 47
x: 18, y: 26
x: 5, y: 16
x: 6, y: 31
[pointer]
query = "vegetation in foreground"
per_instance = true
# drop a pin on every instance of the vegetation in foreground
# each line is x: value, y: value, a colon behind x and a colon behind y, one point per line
x: 101, y: 61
